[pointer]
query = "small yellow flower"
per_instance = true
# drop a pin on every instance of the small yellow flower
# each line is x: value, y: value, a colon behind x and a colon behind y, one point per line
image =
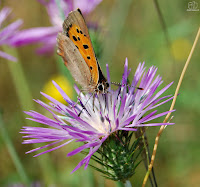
x: 65, y: 84
x: 180, y: 49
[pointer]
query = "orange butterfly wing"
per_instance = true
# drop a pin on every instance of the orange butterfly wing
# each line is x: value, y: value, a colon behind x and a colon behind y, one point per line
x: 75, y: 28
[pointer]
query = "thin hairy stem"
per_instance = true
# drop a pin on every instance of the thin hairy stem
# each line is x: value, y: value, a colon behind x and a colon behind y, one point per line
x: 146, y: 155
x: 171, y: 108
x: 162, y: 21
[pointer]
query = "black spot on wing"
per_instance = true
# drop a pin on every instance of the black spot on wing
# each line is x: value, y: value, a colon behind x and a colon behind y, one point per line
x: 74, y: 37
x: 88, y: 57
x: 85, y: 46
x: 91, y: 67
x: 77, y: 30
x: 81, y: 32
x: 77, y: 46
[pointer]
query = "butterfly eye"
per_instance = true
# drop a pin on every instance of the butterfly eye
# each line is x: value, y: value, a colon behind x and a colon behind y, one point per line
x: 100, y: 87
x: 107, y: 85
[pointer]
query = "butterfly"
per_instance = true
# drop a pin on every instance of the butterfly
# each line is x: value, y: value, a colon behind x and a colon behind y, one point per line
x: 75, y: 47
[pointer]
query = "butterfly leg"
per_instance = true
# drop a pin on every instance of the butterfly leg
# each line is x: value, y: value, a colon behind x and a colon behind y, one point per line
x: 83, y: 106
x: 74, y: 106
x: 100, y: 106
x: 105, y: 99
x: 78, y: 97
x: 93, y: 98
x: 99, y: 102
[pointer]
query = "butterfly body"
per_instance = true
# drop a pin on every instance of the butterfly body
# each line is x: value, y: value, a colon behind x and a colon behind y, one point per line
x: 75, y: 47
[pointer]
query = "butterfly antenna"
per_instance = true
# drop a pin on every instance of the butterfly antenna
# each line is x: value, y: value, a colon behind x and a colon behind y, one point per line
x: 119, y: 84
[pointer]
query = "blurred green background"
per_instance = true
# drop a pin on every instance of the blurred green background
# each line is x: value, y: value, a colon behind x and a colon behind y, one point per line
x: 129, y: 29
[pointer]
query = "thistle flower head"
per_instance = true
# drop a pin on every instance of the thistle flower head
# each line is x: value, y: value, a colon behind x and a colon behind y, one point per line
x: 7, y: 33
x: 95, y: 120
x: 46, y: 36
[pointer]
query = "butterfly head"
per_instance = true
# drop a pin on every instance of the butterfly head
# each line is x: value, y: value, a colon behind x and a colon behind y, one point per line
x: 102, y: 87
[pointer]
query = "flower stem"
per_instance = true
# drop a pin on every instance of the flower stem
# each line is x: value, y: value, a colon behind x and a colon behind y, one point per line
x: 127, y: 183
x: 26, y: 102
x: 119, y: 12
x: 62, y: 15
x: 13, y: 153
x: 171, y: 108
x: 164, y: 26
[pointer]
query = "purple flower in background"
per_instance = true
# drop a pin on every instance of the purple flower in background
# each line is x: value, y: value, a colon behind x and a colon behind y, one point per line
x: 7, y: 33
x: 93, y: 121
x: 47, y: 35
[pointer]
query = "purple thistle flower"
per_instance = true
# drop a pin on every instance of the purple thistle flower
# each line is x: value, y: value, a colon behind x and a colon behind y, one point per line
x: 123, y: 109
x: 47, y: 35
x: 7, y: 33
